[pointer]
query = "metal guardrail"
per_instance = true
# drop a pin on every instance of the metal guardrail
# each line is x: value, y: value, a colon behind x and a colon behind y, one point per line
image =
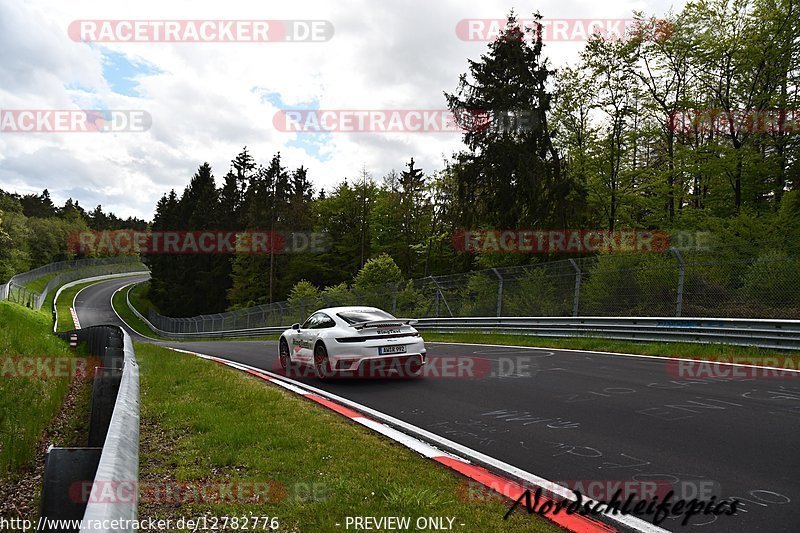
x: 764, y: 333
x: 724, y: 281
x: 77, y: 479
x: 16, y: 290
x: 119, y: 461
x: 36, y: 273
x: 254, y: 332
x: 86, y: 280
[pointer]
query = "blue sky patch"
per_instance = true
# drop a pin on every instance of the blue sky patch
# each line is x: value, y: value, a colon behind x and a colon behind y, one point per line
x: 121, y: 73
x: 310, y: 143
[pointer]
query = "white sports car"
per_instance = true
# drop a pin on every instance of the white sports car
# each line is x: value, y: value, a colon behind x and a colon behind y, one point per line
x: 353, y: 341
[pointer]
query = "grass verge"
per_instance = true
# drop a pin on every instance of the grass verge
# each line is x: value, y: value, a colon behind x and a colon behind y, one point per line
x: 205, y: 426
x: 39, y: 284
x: 120, y: 304
x: 661, y: 349
x: 27, y: 404
x: 140, y: 298
x: 122, y: 309
x: 64, y: 303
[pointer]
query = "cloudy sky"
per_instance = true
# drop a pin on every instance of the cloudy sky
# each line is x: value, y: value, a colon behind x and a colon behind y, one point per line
x: 208, y: 100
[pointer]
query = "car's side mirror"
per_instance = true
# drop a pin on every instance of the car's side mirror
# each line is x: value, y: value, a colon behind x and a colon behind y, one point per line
x: 296, y: 326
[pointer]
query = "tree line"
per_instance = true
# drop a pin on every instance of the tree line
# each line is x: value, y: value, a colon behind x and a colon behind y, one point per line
x: 360, y: 217
x: 34, y: 231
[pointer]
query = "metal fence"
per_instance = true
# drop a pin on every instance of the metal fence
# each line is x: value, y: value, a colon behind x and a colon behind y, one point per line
x: 714, y: 283
x: 16, y: 290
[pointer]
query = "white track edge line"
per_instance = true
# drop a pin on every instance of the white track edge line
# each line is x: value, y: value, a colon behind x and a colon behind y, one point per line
x: 123, y: 320
x: 663, y: 358
x: 627, y: 520
x: 415, y: 444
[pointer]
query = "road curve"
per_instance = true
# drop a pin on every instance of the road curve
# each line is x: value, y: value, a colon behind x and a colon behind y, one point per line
x: 580, y: 417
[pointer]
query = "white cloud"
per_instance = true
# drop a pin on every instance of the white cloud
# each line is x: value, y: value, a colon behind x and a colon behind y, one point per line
x: 206, y: 99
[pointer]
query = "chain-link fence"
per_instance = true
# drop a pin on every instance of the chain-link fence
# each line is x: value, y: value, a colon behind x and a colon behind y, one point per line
x: 714, y: 283
x: 16, y: 289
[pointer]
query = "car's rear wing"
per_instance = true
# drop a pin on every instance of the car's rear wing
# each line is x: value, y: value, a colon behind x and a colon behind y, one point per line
x: 384, y: 323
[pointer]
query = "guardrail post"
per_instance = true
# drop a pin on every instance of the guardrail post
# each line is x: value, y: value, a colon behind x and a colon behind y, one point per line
x: 681, y: 273
x: 499, y: 291
x: 576, y: 300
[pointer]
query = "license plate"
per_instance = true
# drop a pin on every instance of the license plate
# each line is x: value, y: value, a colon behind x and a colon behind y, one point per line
x: 386, y: 350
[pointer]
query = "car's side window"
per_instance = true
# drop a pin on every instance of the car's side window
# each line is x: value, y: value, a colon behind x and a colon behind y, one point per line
x: 309, y: 323
x: 324, y: 321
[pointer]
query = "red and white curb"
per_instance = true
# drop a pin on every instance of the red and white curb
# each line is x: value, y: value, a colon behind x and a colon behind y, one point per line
x: 505, y: 486
x: 75, y: 320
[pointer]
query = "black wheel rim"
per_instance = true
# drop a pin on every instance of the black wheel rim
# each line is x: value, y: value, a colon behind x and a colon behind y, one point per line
x: 321, y: 362
x: 284, y: 355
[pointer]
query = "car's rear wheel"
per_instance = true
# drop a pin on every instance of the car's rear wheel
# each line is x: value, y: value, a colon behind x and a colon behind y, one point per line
x: 322, y: 365
x: 283, y: 355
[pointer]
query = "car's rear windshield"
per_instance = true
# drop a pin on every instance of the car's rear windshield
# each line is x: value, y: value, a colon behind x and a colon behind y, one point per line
x: 364, y: 315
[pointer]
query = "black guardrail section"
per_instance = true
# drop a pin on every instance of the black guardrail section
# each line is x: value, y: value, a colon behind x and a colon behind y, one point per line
x: 69, y: 472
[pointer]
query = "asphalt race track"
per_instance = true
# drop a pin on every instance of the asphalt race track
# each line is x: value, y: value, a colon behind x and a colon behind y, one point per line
x: 578, y: 417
